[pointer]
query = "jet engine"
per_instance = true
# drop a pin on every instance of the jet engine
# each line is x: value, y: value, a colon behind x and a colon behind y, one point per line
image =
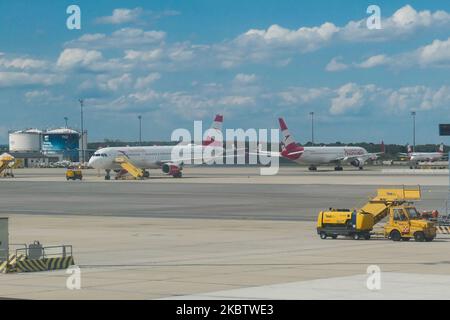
x: 357, y: 163
x: 172, y: 169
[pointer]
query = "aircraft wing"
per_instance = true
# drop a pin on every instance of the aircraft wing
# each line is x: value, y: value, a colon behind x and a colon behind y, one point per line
x: 365, y: 157
x: 193, y: 159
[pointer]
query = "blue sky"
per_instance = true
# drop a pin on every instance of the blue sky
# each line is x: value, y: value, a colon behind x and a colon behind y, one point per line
x: 179, y: 61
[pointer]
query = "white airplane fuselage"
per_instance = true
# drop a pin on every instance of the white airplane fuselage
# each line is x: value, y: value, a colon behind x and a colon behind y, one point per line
x: 326, y: 155
x: 425, y: 156
x: 151, y: 157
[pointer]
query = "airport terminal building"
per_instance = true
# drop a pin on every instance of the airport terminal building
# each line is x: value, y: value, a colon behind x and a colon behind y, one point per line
x: 36, y: 147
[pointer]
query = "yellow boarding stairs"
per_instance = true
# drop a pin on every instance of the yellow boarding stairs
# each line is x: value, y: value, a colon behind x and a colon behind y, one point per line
x: 129, y: 167
x: 6, y: 162
x: 379, y: 206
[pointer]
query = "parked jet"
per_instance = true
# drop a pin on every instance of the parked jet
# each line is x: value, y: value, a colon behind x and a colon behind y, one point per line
x: 153, y: 157
x: 315, y: 156
x: 416, y: 157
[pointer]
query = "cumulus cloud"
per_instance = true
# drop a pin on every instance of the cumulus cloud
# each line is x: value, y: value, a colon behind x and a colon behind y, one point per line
x: 277, y: 43
x: 374, y: 61
x: 73, y: 57
x: 404, y: 22
x: 22, y: 63
x: 19, y: 79
x: 300, y: 95
x: 136, y: 15
x: 121, y: 15
x: 42, y: 97
x: 123, y: 38
x: 336, y: 65
x: 145, y: 82
x: 242, y: 78
x: 435, y: 54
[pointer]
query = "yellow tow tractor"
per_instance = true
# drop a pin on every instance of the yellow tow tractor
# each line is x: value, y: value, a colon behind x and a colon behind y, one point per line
x: 404, y: 221
x: 73, y: 173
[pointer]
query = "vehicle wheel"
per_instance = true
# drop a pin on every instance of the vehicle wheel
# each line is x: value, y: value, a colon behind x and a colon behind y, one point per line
x: 395, y: 235
x: 67, y: 179
x: 429, y: 239
x: 419, y: 237
x: 367, y: 237
x: 323, y: 235
x: 146, y: 174
x: 356, y: 236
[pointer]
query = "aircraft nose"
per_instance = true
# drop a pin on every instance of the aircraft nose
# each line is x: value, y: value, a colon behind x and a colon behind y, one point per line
x: 91, y: 162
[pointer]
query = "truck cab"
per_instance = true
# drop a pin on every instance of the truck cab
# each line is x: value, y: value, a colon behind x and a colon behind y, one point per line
x: 406, y: 223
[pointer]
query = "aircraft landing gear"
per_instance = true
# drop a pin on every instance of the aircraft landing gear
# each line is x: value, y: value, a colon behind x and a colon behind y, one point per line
x: 179, y: 174
x: 338, y: 168
x: 108, y: 174
x: 312, y: 168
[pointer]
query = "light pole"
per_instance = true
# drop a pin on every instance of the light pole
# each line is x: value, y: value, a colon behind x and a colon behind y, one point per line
x: 66, y: 119
x: 140, y: 130
x: 413, y: 114
x: 82, y: 130
x: 312, y: 127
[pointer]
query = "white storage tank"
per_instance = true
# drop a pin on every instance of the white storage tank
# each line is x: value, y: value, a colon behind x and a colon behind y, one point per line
x: 25, y: 141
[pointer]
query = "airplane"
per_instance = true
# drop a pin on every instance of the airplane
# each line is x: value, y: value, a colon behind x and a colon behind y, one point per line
x: 416, y: 157
x: 314, y: 156
x: 152, y: 157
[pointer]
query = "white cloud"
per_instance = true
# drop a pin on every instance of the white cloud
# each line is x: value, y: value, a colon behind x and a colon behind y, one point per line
x: 150, y: 55
x: 277, y: 43
x: 297, y: 96
x: 435, y: 54
x: 351, y: 98
x: 42, y: 97
x: 22, y: 63
x: 374, y: 61
x: 70, y: 58
x: 404, y: 22
x: 145, y: 82
x: 18, y: 79
x: 305, y: 38
x: 242, y: 78
x: 335, y: 65
x: 136, y: 15
x: 121, y: 15
x: 123, y: 38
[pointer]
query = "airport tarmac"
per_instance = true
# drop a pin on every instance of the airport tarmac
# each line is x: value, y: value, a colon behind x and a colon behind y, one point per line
x: 213, y: 193
x: 141, y: 258
x: 213, y: 234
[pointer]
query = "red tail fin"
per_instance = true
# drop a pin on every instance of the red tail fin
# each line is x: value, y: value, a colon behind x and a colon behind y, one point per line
x: 216, y: 126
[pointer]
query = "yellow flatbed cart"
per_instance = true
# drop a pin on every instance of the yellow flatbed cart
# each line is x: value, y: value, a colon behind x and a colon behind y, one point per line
x: 74, y: 174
